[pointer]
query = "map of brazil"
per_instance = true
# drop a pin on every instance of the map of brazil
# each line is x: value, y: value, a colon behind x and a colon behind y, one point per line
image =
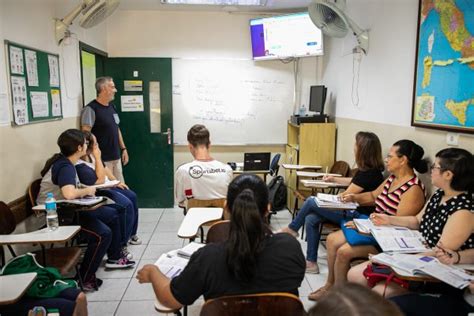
x: 444, y: 91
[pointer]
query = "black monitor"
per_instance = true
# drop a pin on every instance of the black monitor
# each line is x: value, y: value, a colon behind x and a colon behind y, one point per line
x: 317, y: 98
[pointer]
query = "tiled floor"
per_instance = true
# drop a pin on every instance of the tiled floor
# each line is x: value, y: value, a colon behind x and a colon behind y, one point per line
x: 121, y: 294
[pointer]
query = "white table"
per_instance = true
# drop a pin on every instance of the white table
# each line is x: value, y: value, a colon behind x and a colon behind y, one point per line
x: 195, y: 218
x: 12, y: 287
x: 300, y: 167
x: 62, y: 234
x: 315, y: 174
x: 317, y: 184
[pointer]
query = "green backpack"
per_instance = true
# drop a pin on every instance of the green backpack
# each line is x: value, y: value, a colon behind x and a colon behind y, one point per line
x: 48, y: 282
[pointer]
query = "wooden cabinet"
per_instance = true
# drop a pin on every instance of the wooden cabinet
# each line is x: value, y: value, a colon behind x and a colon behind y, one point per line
x: 309, y: 144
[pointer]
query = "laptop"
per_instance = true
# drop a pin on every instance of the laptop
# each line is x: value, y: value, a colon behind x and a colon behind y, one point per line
x: 256, y: 161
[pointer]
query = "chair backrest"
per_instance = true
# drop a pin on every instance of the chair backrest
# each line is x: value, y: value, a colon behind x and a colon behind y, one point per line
x: 218, y: 232
x: 341, y: 167
x: 274, y: 166
x: 33, y: 191
x: 353, y: 172
x: 205, y: 203
x: 265, y: 304
x: 7, y: 219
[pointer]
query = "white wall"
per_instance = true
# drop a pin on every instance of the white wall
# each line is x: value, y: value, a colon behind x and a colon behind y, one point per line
x: 386, y: 79
x: 196, y: 35
x: 24, y: 149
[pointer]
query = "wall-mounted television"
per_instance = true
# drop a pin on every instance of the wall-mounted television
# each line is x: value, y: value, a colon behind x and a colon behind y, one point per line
x: 278, y: 37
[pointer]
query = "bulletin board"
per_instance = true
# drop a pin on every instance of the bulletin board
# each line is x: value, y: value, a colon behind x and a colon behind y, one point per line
x: 35, y: 85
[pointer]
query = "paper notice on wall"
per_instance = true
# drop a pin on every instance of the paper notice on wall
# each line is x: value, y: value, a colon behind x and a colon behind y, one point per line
x: 16, y: 61
x: 132, y: 103
x: 39, y: 104
x: 20, y: 112
x: 53, y: 71
x: 4, y: 112
x: 31, y: 68
x: 56, y: 102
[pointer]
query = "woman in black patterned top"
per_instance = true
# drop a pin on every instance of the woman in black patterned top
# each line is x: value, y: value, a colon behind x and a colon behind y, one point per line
x: 447, y: 219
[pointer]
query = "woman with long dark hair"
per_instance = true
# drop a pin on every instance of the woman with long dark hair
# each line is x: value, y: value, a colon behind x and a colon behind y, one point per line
x: 368, y: 157
x: 252, y: 260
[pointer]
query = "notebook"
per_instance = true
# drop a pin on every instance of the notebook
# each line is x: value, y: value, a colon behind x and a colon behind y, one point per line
x: 256, y: 161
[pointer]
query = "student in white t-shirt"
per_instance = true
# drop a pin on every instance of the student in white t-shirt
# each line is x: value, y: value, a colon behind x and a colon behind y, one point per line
x: 204, y: 178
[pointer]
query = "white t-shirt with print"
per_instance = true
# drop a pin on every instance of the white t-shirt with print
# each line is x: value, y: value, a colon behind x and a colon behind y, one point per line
x: 203, y: 180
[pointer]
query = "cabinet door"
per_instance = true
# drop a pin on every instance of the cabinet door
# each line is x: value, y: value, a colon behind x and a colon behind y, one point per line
x: 317, y: 144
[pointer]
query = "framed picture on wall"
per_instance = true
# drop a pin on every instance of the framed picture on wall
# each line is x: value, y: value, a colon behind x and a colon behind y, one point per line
x: 443, y: 96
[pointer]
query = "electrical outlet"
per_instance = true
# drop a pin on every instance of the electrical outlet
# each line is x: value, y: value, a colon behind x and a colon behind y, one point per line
x: 452, y: 139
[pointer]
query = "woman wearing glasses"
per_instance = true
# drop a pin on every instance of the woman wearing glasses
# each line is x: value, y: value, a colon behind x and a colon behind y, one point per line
x: 447, y: 222
x: 401, y: 194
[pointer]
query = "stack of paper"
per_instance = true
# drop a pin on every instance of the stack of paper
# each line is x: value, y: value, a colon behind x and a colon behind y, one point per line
x: 87, y: 201
x: 106, y: 184
x: 334, y: 201
x: 415, y: 265
x: 170, y: 264
x: 188, y: 250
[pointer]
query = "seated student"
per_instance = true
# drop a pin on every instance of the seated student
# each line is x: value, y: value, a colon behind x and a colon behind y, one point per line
x: 368, y: 156
x: 91, y: 170
x: 401, y: 194
x: 252, y: 260
x: 69, y: 302
x: 453, y: 302
x: 204, y: 178
x: 100, y: 227
x: 353, y: 299
x: 448, y: 217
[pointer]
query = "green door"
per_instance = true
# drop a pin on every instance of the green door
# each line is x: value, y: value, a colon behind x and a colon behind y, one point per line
x: 146, y: 129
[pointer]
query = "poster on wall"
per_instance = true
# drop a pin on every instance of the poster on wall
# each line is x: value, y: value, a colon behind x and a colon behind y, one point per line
x: 16, y: 61
x: 53, y: 71
x: 20, y: 111
x: 132, y: 103
x: 443, y: 96
x: 39, y: 104
x: 31, y: 68
x: 56, y: 102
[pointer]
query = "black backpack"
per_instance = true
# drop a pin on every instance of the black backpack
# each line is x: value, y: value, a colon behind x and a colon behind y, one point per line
x: 277, y: 193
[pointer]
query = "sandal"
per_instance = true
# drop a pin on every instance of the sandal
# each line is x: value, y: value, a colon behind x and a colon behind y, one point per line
x: 319, y: 293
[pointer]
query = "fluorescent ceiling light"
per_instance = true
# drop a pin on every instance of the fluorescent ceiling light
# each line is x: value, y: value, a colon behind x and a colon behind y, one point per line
x: 218, y: 2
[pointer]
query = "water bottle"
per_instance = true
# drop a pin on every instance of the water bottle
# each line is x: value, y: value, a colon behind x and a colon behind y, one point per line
x: 51, y: 213
x: 302, y: 110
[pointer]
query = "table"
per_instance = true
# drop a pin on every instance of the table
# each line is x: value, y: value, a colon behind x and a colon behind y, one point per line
x: 310, y: 174
x: 317, y: 184
x: 12, y: 287
x: 300, y: 167
x: 195, y: 218
x: 262, y: 172
x: 42, y: 236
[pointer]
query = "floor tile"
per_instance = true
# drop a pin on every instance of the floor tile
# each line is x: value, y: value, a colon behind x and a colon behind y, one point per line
x: 165, y: 238
x: 146, y: 227
x: 139, y: 292
x: 141, y: 308
x: 153, y: 252
x: 111, y: 290
x: 102, y: 308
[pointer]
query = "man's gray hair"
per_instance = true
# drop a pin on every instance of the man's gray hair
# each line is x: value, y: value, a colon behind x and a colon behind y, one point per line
x: 101, y: 82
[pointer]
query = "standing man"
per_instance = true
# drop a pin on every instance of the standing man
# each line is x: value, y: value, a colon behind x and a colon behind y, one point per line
x: 204, y: 178
x: 101, y: 118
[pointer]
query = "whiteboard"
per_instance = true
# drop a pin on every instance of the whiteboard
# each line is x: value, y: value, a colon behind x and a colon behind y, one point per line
x: 240, y: 101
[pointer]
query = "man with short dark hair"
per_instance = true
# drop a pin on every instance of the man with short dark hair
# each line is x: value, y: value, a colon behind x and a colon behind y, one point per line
x: 101, y: 118
x: 204, y: 178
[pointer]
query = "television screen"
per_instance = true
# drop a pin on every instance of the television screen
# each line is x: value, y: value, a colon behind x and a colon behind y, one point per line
x: 292, y: 35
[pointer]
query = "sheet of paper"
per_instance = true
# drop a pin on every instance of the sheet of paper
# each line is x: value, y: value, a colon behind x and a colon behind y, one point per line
x: 39, y: 104
x: 132, y: 103
x: 16, y: 61
x: 4, y: 111
x: 31, y: 68
x: 20, y: 112
x: 56, y: 102
x: 53, y: 63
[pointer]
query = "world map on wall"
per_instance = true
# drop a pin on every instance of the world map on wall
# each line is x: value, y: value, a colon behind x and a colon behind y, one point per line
x: 444, y: 91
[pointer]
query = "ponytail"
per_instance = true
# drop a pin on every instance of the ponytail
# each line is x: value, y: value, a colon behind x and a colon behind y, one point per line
x: 49, y: 163
x: 246, y: 236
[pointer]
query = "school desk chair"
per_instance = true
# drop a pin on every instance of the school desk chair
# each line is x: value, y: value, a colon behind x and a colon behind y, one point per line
x: 218, y: 232
x: 263, y: 304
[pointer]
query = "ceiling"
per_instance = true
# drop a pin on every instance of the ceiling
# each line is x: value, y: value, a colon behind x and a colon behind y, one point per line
x: 272, y: 6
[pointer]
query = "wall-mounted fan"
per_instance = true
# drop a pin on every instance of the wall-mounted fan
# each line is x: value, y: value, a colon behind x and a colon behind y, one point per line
x: 93, y: 12
x: 329, y: 16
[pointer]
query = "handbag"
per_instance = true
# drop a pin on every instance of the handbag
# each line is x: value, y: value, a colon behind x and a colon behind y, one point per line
x: 354, y: 238
x: 48, y: 282
x: 376, y: 273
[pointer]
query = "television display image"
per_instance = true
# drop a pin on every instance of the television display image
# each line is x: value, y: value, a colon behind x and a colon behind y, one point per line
x: 292, y: 35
